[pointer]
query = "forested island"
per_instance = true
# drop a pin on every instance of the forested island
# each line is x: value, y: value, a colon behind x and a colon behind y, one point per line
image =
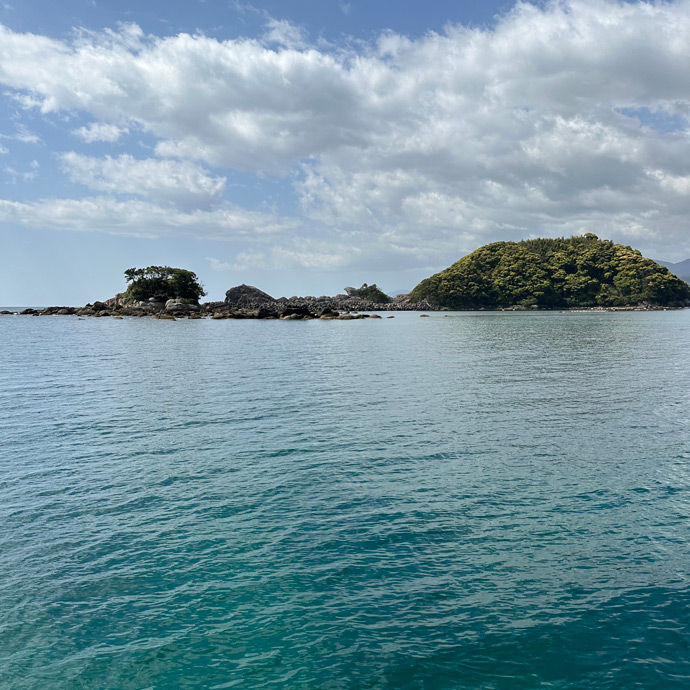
x: 558, y: 273
x: 562, y: 273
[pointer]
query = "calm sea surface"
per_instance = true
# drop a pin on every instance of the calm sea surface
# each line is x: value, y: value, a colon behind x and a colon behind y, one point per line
x: 461, y: 501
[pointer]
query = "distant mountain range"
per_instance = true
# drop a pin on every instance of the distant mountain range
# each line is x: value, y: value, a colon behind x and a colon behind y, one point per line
x: 681, y: 269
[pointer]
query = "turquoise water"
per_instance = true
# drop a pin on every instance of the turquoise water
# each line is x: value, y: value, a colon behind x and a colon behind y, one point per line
x: 465, y: 501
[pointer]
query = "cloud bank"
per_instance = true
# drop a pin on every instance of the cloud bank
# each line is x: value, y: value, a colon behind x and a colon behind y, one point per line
x: 555, y: 121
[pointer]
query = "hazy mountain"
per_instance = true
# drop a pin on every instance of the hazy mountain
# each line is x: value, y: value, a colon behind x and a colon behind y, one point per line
x: 681, y: 269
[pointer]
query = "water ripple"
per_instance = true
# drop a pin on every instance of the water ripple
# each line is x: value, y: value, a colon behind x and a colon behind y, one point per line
x: 489, y: 501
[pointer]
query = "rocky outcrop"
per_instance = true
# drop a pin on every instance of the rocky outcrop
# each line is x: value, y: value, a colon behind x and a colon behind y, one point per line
x: 180, y: 306
x: 244, y: 296
x: 241, y: 302
x: 249, y: 297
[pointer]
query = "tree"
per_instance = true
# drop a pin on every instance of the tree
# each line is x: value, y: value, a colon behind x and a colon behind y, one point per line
x: 162, y: 283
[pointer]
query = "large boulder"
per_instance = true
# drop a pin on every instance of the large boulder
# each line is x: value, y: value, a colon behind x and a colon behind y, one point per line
x: 299, y: 311
x: 180, y: 306
x: 246, y: 296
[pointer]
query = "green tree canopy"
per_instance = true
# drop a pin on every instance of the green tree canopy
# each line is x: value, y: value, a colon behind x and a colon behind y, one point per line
x: 371, y: 293
x: 162, y: 283
x: 553, y: 273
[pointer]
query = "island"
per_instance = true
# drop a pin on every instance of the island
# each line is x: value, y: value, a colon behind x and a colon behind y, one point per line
x: 547, y: 273
x: 581, y: 272
x: 169, y: 293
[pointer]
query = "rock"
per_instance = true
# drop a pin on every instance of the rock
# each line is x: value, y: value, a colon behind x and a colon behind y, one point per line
x: 29, y: 312
x: 328, y: 313
x: 246, y: 296
x: 99, y: 306
x: 301, y: 310
x: 265, y: 313
x: 167, y: 317
x: 63, y: 311
x: 180, y: 306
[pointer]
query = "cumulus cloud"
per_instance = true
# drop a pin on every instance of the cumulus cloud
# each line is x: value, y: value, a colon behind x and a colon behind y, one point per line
x: 559, y: 119
x: 181, y: 182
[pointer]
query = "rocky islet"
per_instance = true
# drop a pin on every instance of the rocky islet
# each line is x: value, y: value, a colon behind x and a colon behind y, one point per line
x: 241, y: 302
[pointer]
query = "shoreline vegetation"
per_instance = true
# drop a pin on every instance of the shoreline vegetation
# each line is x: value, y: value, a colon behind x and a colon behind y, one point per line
x: 574, y: 274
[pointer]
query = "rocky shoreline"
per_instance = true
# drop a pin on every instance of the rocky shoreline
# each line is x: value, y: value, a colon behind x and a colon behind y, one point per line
x: 241, y: 302
x: 247, y: 302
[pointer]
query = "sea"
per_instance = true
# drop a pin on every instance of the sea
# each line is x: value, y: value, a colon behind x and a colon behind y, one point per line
x: 469, y: 500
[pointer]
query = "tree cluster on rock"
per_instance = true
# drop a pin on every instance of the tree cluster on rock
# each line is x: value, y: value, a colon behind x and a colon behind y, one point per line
x: 369, y: 293
x: 161, y: 283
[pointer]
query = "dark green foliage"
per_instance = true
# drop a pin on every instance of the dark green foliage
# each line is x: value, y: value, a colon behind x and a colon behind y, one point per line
x: 553, y: 273
x: 162, y: 283
x: 370, y: 293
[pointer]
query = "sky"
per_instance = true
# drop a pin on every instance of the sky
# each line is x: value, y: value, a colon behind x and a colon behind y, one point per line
x: 305, y: 145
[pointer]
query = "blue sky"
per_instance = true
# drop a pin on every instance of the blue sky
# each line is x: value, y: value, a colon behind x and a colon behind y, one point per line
x: 305, y: 146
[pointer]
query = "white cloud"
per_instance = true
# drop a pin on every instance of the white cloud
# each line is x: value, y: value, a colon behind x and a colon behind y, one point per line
x: 305, y: 254
x: 284, y: 33
x: 218, y: 265
x: 428, y: 146
x: 26, y: 136
x: 13, y: 176
x: 22, y: 134
x: 180, y: 182
x: 142, y: 219
x: 100, y: 131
